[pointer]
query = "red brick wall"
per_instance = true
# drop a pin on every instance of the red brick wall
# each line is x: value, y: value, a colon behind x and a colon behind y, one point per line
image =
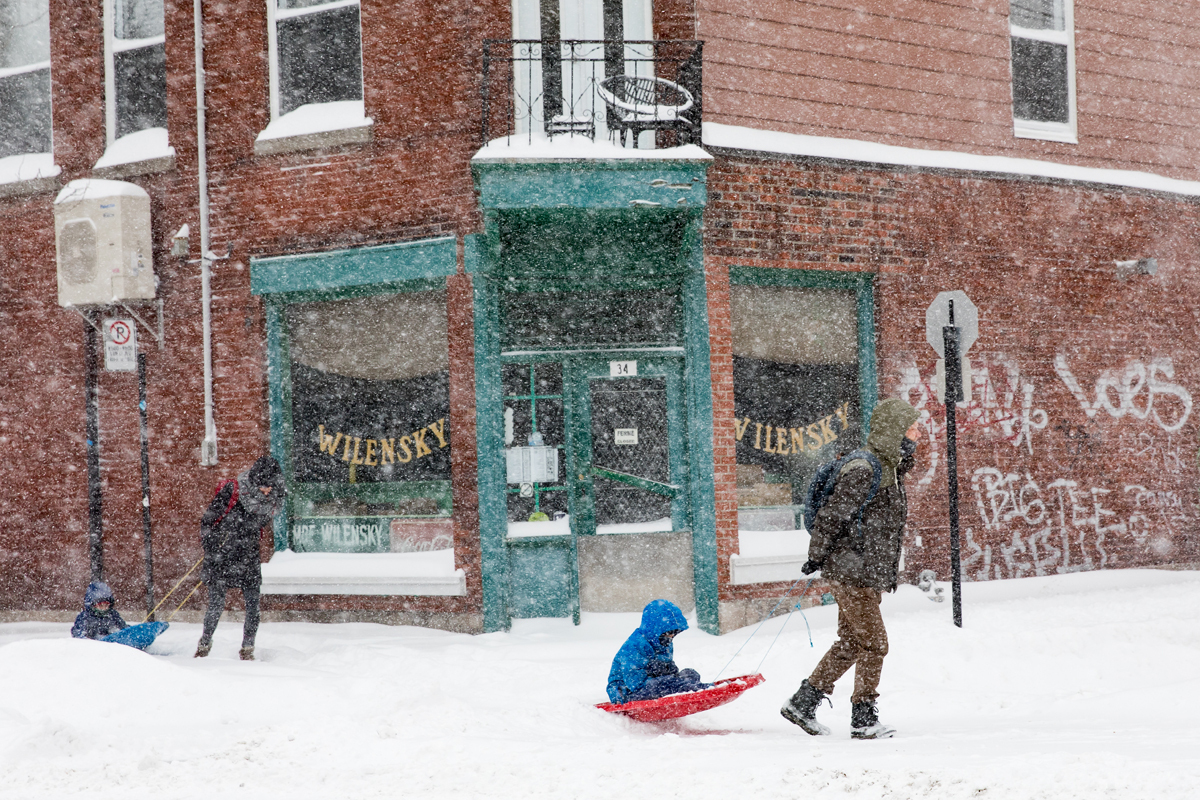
x: 937, y: 75
x: 421, y: 65
x: 1116, y: 482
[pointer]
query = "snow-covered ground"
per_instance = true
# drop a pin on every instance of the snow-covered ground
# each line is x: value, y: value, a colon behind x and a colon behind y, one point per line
x: 1078, y: 686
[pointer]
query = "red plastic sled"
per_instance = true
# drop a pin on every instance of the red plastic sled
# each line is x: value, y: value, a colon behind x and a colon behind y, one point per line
x: 681, y: 705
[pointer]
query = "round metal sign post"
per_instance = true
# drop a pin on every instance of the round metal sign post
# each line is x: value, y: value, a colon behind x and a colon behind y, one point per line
x: 951, y: 327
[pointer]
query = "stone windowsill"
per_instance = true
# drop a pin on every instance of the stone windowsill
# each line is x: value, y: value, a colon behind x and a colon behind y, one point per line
x: 133, y: 169
x: 322, y: 140
x: 28, y: 187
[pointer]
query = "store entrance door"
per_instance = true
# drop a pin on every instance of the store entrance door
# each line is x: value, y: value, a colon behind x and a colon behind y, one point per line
x: 630, y: 517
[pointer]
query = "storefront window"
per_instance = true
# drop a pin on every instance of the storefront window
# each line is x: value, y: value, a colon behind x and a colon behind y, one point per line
x: 796, y: 394
x: 371, y: 424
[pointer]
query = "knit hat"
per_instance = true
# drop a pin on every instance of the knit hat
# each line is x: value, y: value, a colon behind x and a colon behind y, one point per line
x: 266, y: 472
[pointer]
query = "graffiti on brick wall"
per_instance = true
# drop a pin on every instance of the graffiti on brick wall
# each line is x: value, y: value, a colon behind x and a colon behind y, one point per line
x: 1138, y: 390
x: 1061, y: 526
x: 1001, y: 406
x: 1030, y: 524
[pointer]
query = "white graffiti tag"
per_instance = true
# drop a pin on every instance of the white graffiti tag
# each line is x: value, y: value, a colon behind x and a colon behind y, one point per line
x: 1139, y: 391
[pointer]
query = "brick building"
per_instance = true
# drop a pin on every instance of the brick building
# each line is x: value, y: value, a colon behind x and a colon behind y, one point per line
x: 594, y: 361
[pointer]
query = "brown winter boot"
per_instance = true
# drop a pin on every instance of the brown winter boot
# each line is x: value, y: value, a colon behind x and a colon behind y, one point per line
x: 246, y: 653
x: 203, y: 648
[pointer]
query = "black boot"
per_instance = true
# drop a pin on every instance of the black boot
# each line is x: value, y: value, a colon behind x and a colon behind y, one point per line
x: 864, y: 723
x: 802, y: 709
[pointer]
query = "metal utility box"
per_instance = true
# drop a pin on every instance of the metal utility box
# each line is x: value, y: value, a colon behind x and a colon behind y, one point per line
x: 532, y: 464
x: 102, y: 231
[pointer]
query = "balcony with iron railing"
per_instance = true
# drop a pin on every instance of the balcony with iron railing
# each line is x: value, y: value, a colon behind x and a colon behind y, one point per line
x: 637, y: 94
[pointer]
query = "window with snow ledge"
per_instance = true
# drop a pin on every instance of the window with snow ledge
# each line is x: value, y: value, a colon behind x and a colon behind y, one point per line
x: 135, y: 82
x: 25, y: 122
x: 1042, y: 37
x: 316, y: 76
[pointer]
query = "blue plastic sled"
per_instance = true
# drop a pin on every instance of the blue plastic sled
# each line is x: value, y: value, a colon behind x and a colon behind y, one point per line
x: 139, y: 636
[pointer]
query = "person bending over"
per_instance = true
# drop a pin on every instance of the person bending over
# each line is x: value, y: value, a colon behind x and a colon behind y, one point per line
x: 229, y: 533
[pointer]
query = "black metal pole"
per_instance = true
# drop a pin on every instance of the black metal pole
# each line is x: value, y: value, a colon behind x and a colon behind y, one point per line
x: 91, y: 368
x: 953, y: 395
x: 147, y: 537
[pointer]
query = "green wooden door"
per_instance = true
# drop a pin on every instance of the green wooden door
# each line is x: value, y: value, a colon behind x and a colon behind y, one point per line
x: 628, y: 462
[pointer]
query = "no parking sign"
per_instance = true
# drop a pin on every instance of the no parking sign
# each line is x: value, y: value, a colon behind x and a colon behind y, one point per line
x: 120, y: 345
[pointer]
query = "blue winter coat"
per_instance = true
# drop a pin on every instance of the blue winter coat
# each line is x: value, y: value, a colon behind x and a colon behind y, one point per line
x: 91, y: 624
x: 643, y: 656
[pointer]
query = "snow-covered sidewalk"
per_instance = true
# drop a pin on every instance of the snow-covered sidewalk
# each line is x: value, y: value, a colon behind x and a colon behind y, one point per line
x: 1078, y: 686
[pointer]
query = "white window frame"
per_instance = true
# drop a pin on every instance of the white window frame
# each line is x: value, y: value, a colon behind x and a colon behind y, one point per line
x: 112, y: 46
x: 1050, y: 131
x: 311, y: 125
x: 39, y: 168
x: 274, y: 16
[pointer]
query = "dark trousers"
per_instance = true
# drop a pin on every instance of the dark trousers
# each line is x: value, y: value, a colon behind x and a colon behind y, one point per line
x: 686, y: 680
x: 862, y: 643
x: 216, y: 604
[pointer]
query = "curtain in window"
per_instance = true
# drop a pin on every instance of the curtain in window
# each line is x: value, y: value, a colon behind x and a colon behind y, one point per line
x: 24, y: 77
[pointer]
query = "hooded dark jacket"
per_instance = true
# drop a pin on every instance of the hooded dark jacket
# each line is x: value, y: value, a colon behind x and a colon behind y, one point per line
x: 91, y: 624
x: 230, y: 540
x: 644, y: 656
x: 834, y: 545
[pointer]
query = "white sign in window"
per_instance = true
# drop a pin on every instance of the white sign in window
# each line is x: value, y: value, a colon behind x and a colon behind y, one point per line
x: 622, y: 369
x: 625, y: 435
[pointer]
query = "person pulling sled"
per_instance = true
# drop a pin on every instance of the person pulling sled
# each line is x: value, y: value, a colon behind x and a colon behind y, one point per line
x: 229, y: 534
x: 855, y: 541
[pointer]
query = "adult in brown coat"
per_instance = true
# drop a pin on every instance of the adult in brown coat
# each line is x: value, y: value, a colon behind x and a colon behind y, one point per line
x: 861, y: 562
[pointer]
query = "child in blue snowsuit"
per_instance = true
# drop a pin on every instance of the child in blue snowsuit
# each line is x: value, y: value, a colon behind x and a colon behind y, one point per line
x: 644, y: 668
x: 99, y: 617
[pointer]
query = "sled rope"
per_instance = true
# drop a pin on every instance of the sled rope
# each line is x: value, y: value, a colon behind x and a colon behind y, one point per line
x: 764, y: 621
x: 189, y: 597
x: 173, y: 588
x: 199, y: 561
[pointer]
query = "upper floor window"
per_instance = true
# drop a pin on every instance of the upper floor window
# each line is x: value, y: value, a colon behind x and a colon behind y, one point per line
x: 136, y: 72
x: 1043, y: 69
x: 24, y: 77
x: 316, y: 53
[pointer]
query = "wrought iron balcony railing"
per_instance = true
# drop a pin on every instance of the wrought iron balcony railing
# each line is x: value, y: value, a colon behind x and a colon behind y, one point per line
x: 638, y: 93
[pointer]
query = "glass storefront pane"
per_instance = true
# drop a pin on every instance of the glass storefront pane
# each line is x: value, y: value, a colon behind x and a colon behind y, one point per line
x: 370, y: 423
x: 796, y: 391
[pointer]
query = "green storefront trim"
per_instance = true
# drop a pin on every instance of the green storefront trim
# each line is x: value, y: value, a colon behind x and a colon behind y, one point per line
x: 362, y: 266
x: 590, y: 224
x: 333, y: 275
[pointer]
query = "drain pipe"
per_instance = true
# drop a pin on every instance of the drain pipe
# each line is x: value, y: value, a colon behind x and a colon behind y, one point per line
x: 208, y: 447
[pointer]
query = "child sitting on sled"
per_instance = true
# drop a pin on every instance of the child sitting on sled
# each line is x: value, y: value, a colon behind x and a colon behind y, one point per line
x: 644, y: 668
x: 99, y: 617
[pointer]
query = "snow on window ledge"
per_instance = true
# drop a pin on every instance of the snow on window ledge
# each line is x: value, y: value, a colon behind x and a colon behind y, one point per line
x: 138, y: 153
x: 315, y: 126
x: 28, y: 173
x: 423, y: 573
x: 1049, y: 131
x: 768, y: 556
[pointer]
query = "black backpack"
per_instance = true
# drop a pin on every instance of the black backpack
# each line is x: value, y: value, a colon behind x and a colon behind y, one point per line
x: 821, y: 486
